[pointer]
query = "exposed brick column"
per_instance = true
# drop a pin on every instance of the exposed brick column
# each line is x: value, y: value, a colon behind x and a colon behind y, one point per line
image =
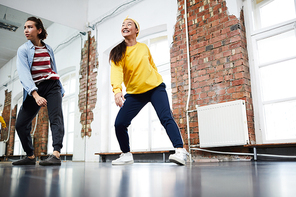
x: 10, y: 143
x: 6, y: 117
x: 219, y: 62
x: 6, y: 114
x: 41, y: 132
x: 88, y: 81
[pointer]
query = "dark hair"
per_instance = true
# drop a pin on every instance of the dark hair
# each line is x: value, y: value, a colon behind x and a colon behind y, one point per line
x: 39, y: 25
x: 118, y: 52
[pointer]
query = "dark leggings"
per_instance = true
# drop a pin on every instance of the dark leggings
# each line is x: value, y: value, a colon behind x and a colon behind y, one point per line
x: 50, y: 90
x: 132, y: 106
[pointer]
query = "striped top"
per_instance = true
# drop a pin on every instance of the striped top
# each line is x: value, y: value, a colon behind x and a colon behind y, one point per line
x: 41, y: 69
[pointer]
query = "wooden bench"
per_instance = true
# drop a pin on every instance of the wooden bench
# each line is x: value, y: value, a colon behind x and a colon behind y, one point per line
x: 272, y: 145
x: 105, y: 154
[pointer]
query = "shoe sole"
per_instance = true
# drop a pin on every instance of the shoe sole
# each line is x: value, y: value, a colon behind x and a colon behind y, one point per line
x: 177, y: 161
x: 50, y: 164
x: 124, y: 163
x: 24, y: 164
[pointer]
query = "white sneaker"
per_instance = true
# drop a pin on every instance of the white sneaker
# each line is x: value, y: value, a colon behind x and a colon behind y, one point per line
x: 180, y: 156
x: 124, y: 158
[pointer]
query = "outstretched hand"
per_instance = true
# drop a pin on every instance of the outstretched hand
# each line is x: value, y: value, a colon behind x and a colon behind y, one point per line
x: 119, y: 99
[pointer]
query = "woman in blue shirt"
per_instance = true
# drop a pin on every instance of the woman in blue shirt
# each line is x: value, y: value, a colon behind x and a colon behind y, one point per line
x: 47, y: 92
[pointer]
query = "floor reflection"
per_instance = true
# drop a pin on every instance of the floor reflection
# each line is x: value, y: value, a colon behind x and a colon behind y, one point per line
x: 29, y: 181
x: 153, y: 179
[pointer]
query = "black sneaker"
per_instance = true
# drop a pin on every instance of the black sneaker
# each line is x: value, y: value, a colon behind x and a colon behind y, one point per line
x: 51, y: 161
x: 25, y: 161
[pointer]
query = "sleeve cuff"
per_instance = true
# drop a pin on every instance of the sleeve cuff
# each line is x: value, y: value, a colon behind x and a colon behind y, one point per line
x: 117, y: 91
x: 30, y: 92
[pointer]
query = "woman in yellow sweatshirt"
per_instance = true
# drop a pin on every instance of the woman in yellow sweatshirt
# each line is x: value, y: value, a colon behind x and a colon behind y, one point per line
x: 3, y: 124
x: 132, y: 64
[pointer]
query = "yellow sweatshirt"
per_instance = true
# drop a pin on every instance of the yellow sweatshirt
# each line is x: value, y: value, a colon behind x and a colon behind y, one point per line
x: 2, y: 122
x: 137, y: 70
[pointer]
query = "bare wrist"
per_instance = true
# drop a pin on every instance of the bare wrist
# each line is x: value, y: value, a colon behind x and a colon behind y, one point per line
x: 34, y: 94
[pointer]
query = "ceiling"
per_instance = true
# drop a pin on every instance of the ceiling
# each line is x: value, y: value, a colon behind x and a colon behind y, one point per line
x: 81, y: 13
x: 10, y: 40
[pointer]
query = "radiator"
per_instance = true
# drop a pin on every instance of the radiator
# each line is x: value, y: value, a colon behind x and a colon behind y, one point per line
x: 223, y: 124
x: 2, y: 148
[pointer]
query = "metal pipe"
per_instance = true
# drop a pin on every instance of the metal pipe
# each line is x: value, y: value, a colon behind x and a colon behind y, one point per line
x: 255, y: 153
x: 248, y: 154
x: 35, y: 126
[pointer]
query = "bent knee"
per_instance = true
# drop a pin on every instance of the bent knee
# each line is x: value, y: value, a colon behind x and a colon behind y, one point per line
x: 18, y: 126
x: 120, y: 124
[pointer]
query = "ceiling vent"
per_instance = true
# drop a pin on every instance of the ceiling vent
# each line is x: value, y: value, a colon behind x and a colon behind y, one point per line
x: 9, y: 25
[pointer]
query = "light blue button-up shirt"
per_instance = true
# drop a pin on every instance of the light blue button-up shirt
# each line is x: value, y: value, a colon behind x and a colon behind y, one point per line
x: 25, y: 57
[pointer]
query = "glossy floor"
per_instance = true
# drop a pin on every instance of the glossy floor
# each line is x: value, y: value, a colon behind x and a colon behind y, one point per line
x: 225, y: 179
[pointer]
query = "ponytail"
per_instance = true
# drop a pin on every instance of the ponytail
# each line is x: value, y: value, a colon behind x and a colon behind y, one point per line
x: 118, y: 52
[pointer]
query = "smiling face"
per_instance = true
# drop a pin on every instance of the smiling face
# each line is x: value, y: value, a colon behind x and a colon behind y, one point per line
x: 31, y: 32
x: 129, y: 29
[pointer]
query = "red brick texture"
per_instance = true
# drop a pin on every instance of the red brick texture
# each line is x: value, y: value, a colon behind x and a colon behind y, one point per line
x: 88, y: 80
x: 40, y: 139
x: 10, y: 143
x: 41, y: 133
x: 219, y: 62
x: 6, y: 115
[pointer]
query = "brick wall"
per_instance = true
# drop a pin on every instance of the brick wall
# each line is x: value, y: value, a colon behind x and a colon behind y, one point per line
x: 10, y: 143
x: 41, y: 133
x: 6, y: 114
x: 6, y: 117
x: 88, y: 89
x: 219, y: 62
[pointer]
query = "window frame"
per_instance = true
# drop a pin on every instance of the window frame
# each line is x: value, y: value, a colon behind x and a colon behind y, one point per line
x: 254, y: 35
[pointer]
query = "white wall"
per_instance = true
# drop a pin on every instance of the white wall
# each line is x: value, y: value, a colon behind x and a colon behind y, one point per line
x: 234, y: 7
x: 98, y: 9
x: 9, y: 78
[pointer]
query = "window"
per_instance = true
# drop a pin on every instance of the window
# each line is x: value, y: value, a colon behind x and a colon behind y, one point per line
x: 273, y: 38
x: 146, y: 132
x: 272, y: 12
x: 68, y: 105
